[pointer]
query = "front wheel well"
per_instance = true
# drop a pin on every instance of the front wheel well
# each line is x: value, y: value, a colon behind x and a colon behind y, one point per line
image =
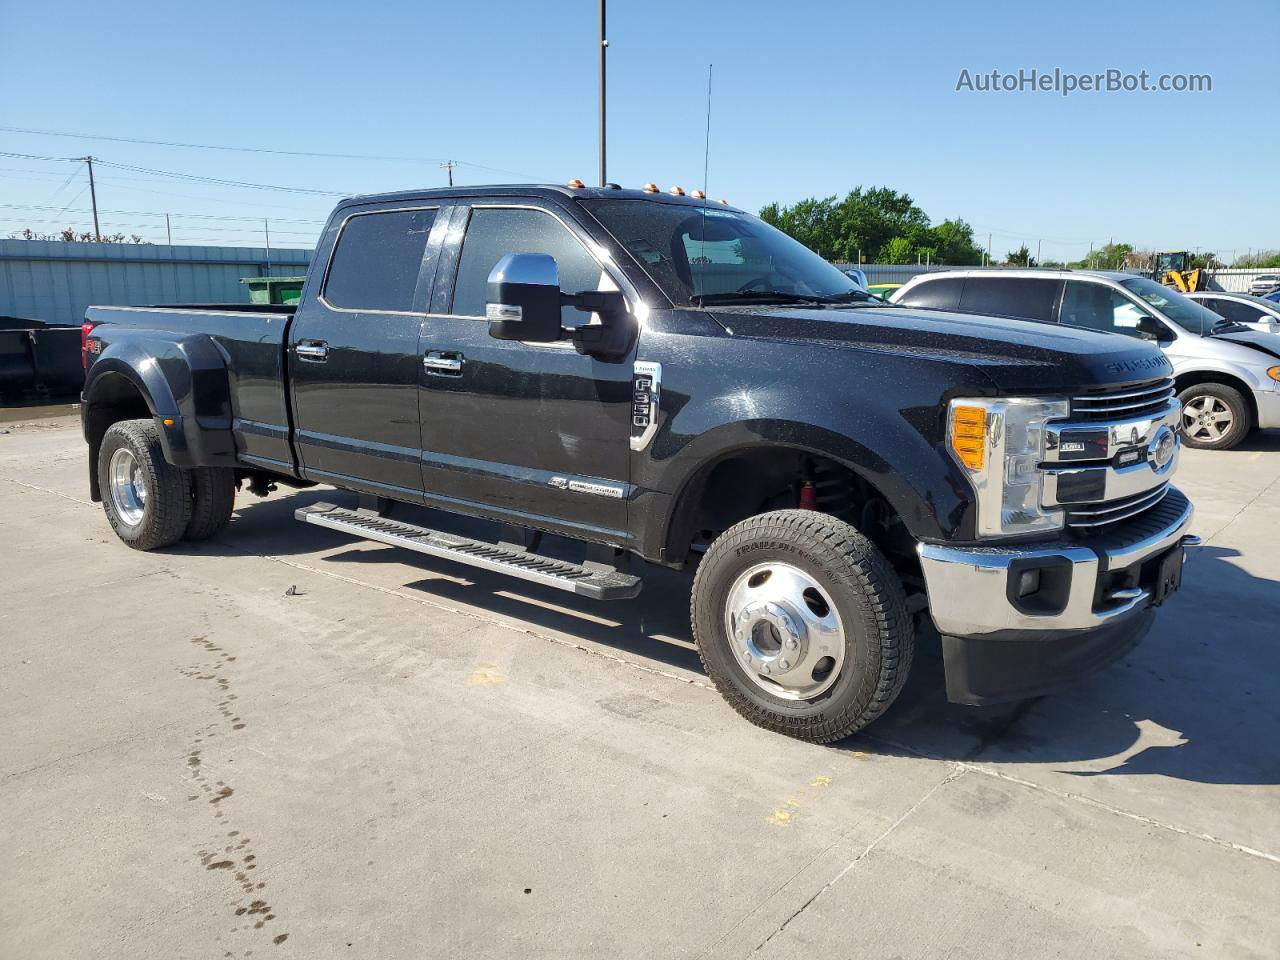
x: 114, y: 398
x: 1197, y: 377
x: 760, y: 479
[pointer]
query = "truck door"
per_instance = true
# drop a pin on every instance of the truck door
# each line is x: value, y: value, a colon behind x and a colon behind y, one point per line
x: 526, y: 433
x: 354, y: 363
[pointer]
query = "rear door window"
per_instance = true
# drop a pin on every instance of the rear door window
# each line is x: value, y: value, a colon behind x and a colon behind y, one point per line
x: 1027, y: 298
x: 1237, y: 311
x: 376, y: 261
x: 1098, y: 307
x: 942, y: 294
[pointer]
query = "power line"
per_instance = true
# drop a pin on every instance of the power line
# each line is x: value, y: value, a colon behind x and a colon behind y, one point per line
x: 267, y: 150
x: 196, y: 178
x: 73, y: 222
x: 156, y: 213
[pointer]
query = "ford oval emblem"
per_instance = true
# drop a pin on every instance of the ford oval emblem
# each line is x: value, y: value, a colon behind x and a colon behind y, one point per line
x: 1160, y: 450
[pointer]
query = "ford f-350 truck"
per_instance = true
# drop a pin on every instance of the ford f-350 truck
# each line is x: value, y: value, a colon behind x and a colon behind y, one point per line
x: 659, y: 376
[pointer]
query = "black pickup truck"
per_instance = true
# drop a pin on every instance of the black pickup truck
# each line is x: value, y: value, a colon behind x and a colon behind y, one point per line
x: 661, y: 376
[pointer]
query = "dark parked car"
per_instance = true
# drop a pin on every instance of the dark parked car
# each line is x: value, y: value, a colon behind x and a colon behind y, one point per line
x: 659, y: 377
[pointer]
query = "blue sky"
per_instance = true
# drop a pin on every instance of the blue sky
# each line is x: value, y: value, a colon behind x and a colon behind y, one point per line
x: 809, y: 99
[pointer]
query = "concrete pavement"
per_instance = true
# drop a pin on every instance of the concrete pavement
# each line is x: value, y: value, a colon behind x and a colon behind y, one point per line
x: 406, y: 758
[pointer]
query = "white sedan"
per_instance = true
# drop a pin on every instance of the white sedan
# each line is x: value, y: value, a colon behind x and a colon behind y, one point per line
x: 1254, y: 312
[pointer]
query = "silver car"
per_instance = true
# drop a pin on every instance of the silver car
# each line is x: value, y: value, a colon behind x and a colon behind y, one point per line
x: 1242, y: 308
x: 1226, y: 375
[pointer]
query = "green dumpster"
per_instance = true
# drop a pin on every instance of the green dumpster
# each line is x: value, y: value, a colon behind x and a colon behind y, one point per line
x: 286, y: 290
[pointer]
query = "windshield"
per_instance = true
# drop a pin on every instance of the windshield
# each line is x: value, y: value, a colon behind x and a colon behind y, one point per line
x: 1185, y: 313
x: 703, y: 256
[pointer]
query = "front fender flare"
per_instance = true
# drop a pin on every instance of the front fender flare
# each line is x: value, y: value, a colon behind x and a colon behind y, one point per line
x: 921, y: 483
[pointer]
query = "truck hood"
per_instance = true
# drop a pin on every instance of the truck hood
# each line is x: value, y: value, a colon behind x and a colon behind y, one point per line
x: 1017, y: 355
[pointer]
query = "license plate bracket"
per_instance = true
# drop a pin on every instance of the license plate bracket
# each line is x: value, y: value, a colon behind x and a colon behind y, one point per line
x: 1168, y: 575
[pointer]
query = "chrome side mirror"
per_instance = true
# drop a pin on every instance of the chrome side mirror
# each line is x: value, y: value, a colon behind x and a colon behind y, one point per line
x: 523, y: 301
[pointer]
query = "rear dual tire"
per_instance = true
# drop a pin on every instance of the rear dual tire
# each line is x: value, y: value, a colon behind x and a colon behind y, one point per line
x: 152, y: 504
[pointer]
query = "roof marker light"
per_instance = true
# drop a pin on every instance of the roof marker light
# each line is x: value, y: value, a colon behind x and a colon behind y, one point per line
x: 575, y: 184
x: 698, y: 195
x: 725, y: 202
x: 676, y: 191
x: 650, y: 188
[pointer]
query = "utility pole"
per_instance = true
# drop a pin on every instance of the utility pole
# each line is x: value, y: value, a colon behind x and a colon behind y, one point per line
x: 1038, y: 253
x: 988, y: 248
x: 93, y: 198
x: 266, y: 230
x: 604, y: 45
x: 168, y: 230
x: 449, y: 166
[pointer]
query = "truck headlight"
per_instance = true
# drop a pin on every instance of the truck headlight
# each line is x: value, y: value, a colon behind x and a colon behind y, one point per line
x: 999, y: 444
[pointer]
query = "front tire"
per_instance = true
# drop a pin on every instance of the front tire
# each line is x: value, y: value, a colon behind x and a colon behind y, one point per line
x: 147, y: 500
x: 802, y: 624
x: 1214, y: 416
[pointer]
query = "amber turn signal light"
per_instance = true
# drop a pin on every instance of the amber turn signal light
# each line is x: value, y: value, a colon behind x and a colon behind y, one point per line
x: 969, y: 435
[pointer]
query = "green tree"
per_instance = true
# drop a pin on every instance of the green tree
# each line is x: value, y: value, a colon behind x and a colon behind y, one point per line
x: 880, y: 224
x: 1021, y: 257
x: 1265, y: 259
x: 1205, y: 261
x: 71, y: 235
x: 897, y: 250
x: 955, y: 243
x: 1111, y: 256
x: 811, y: 221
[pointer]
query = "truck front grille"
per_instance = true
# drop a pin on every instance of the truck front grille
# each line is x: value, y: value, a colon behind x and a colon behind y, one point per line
x: 1087, y: 517
x: 1132, y: 401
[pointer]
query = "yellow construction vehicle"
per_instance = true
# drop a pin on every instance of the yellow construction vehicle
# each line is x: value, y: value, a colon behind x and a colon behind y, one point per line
x: 1174, y: 270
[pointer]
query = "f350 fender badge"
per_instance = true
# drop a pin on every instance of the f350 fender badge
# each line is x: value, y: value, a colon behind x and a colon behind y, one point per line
x: 646, y: 391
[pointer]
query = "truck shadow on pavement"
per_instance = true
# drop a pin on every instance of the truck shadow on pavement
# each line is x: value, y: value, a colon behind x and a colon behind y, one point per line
x: 1195, y: 701
x: 1258, y: 440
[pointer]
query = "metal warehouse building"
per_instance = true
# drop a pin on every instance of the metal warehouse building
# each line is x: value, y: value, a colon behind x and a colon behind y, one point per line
x: 54, y: 282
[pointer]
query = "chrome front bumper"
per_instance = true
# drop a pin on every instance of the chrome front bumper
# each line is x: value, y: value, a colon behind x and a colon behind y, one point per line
x: 973, y: 591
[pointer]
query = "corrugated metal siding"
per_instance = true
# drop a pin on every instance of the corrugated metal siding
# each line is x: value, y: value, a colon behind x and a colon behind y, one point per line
x: 55, y: 282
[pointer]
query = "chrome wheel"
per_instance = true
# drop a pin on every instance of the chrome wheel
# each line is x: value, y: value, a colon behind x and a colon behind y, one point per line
x: 784, y: 631
x: 128, y: 489
x: 1206, y: 418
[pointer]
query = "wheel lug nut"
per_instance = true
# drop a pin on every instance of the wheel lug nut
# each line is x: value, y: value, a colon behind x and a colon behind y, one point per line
x: 791, y: 644
x: 785, y: 665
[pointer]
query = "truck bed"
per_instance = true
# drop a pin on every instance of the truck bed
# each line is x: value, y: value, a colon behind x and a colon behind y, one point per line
x: 231, y: 350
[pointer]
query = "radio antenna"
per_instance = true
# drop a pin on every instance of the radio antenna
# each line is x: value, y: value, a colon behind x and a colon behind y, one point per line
x: 706, y: 154
x: 706, y: 163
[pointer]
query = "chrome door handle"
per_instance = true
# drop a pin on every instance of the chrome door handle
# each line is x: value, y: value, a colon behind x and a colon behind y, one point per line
x: 438, y: 363
x: 316, y: 351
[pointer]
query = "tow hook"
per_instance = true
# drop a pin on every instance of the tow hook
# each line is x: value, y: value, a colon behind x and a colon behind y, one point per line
x: 1189, y: 540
